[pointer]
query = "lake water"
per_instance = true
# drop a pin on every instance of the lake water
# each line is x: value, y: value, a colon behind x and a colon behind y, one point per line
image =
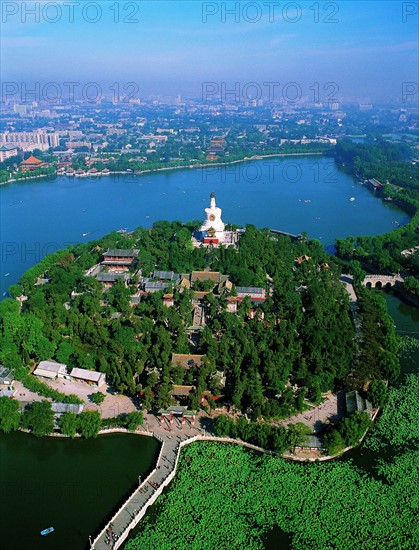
x: 72, y: 485
x: 295, y: 194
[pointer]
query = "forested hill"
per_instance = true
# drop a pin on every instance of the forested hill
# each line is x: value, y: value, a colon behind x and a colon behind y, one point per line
x: 265, y: 356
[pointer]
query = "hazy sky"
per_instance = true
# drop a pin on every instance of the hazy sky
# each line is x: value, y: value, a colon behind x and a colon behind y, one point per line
x: 367, y: 48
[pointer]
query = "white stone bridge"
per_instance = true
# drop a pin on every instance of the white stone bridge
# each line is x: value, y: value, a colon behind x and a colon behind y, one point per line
x: 383, y: 281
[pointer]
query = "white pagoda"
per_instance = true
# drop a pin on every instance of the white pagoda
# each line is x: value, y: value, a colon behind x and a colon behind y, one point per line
x: 213, y: 228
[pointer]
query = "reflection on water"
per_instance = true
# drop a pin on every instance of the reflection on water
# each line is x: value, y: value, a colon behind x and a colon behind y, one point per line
x: 72, y: 485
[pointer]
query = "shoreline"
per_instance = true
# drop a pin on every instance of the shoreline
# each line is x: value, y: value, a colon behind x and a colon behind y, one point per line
x: 207, y: 436
x: 162, y: 169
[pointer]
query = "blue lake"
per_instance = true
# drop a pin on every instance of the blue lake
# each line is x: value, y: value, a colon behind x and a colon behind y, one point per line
x: 294, y: 194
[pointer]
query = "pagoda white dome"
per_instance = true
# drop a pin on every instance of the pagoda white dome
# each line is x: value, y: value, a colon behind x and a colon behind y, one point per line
x: 213, y: 220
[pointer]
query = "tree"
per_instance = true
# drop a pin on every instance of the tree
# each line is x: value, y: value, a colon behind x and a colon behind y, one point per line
x: 334, y: 442
x: 39, y: 418
x: 357, y: 272
x: 15, y: 290
x: 133, y: 420
x: 280, y: 440
x: 411, y: 284
x: 64, y: 352
x: 315, y: 393
x: 90, y: 423
x: 222, y: 425
x: 377, y: 393
x: 118, y: 296
x: 69, y: 424
x: 9, y: 414
x: 353, y: 427
x: 98, y: 398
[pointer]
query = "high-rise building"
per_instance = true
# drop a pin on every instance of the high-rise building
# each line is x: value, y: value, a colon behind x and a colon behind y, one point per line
x: 28, y: 141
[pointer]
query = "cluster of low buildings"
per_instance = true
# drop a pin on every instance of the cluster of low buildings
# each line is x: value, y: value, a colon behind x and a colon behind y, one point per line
x: 119, y: 262
x: 120, y: 265
x: 187, y: 361
x: 410, y: 251
x: 374, y: 184
x: 216, y: 148
x: 80, y: 173
x: 51, y: 370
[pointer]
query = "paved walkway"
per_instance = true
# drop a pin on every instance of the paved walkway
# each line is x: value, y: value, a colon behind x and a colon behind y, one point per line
x: 348, y: 281
x: 317, y: 417
x: 24, y: 395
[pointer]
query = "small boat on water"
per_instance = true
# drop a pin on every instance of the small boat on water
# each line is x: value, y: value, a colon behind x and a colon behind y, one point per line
x: 47, y: 531
x: 352, y: 199
x: 7, y: 274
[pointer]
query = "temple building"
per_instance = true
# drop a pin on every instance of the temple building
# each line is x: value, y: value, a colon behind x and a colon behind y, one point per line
x: 31, y: 164
x: 213, y: 228
x: 119, y: 259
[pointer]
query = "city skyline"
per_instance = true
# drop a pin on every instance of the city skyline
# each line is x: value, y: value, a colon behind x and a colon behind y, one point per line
x: 351, y: 49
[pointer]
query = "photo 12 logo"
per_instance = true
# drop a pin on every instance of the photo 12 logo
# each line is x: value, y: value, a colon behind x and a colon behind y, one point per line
x: 272, y: 12
x: 70, y: 12
x: 33, y: 251
x: 269, y: 171
x: 410, y: 92
x: 269, y: 92
x: 410, y: 12
x: 68, y: 92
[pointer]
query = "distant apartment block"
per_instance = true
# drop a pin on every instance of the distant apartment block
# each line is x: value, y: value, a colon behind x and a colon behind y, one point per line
x: 28, y: 141
x: 76, y: 144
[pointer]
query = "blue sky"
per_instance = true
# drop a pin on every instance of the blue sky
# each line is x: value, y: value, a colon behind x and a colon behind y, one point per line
x: 367, y: 48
